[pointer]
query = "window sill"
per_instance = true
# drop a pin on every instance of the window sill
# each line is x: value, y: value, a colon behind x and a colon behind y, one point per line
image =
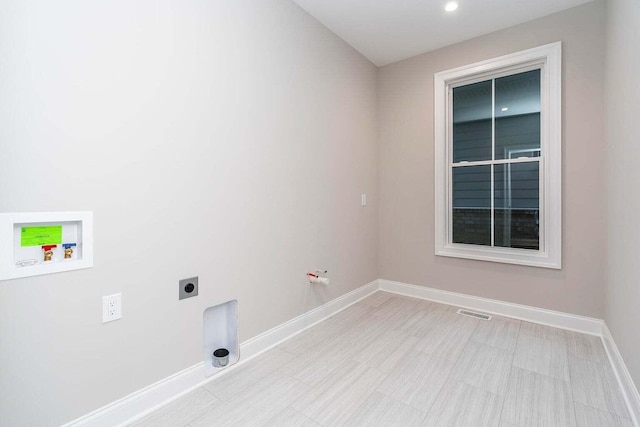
x: 524, y: 257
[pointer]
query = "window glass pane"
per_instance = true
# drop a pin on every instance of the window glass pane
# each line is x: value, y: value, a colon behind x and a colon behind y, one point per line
x: 472, y: 109
x: 518, y: 115
x: 472, y: 205
x: 516, y: 203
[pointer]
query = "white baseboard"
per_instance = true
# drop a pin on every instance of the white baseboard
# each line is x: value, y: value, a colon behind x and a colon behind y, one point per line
x: 629, y: 390
x: 586, y: 325
x: 150, y: 398
x: 275, y: 336
x: 145, y: 400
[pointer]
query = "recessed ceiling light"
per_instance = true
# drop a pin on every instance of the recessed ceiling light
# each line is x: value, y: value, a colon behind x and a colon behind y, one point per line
x: 451, y: 6
x: 504, y: 109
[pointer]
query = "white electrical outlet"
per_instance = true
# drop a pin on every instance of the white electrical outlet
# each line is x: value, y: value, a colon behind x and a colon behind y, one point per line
x: 111, y: 307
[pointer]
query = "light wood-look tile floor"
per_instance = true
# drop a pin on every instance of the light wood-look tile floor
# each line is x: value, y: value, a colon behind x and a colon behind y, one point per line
x: 391, y: 360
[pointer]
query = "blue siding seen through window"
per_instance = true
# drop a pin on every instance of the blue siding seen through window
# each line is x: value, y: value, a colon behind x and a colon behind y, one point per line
x: 498, y: 117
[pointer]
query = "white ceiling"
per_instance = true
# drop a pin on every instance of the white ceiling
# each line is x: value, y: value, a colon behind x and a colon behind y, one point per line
x: 387, y: 31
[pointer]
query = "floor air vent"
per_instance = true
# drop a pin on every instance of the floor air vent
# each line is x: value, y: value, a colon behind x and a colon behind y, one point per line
x: 474, y: 314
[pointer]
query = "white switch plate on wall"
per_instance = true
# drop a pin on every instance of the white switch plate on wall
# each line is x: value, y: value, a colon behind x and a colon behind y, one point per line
x: 111, y: 307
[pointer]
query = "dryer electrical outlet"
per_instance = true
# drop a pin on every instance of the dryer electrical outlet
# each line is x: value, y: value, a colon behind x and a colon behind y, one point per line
x: 188, y: 288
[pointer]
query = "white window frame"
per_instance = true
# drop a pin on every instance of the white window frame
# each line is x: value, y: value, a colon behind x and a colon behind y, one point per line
x: 548, y: 58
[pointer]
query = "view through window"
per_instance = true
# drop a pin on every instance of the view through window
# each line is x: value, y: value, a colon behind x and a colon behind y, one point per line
x: 498, y: 159
x: 495, y: 168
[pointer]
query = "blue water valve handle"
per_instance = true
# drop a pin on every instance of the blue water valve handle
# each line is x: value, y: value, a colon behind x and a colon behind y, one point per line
x: 68, y: 245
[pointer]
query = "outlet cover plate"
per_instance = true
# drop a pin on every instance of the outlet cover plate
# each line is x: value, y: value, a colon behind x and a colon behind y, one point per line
x: 188, y: 288
x: 111, y: 307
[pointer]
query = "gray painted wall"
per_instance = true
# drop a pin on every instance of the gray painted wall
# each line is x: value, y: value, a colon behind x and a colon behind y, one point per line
x: 406, y: 140
x: 225, y: 139
x: 623, y: 201
x: 189, y: 130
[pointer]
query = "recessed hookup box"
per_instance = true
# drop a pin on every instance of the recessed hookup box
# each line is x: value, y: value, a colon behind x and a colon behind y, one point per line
x: 36, y: 243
